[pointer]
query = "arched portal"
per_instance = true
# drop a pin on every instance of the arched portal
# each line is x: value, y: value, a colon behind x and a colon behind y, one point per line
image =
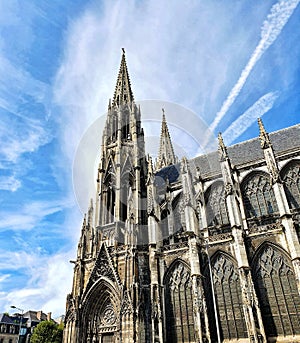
x: 100, y: 315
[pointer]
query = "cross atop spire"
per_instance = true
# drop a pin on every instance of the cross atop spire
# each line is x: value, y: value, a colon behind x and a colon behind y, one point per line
x: 123, y: 93
x: 166, y: 154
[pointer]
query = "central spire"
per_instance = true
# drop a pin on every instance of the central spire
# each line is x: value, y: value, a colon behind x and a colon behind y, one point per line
x: 123, y: 93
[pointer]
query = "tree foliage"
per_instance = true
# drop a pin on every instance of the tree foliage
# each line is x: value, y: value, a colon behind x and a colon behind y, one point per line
x: 47, y: 332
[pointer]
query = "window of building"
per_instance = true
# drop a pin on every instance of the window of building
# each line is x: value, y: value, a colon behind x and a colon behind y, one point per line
x: 179, y: 305
x: 291, y: 179
x: 216, y: 208
x: 227, y: 290
x: 276, y: 288
x: 258, y: 196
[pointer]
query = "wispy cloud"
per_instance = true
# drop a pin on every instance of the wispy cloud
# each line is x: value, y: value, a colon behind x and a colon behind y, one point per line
x: 9, y: 183
x: 46, y: 284
x: 31, y: 214
x: 244, y: 121
x: 271, y: 28
x: 15, y: 142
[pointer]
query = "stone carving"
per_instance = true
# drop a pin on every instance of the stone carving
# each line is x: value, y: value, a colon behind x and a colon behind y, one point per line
x: 224, y: 270
x: 180, y: 276
x: 272, y: 262
x: 108, y: 316
x: 126, y: 307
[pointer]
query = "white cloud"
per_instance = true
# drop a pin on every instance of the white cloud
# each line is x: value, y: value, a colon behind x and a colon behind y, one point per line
x: 4, y: 277
x: 9, y: 183
x: 272, y: 27
x: 244, y: 121
x: 31, y: 214
x: 161, y: 63
x: 15, y: 142
x: 49, y: 279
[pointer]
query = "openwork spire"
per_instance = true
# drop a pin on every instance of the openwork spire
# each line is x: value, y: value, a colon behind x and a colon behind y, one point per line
x: 123, y: 93
x: 166, y: 154
x: 263, y: 135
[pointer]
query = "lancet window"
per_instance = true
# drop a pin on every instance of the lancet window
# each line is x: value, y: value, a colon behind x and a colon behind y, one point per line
x: 291, y: 178
x: 258, y: 196
x: 127, y: 186
x: 109, y: 196
x: 227, y: 291
x: 276, y: 288
x: 216, y: 209
x: 164, y: 225
x: 179, y: 305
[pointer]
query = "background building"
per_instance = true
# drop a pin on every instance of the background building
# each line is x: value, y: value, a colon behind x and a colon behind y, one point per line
x: 205, y: 250
x: 10, y: 325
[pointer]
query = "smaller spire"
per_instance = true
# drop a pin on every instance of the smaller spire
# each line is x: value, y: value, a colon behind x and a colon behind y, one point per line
x: 222, y: 147
x: 90, y: 213
x: 166, y: 154
x: 263, y: 135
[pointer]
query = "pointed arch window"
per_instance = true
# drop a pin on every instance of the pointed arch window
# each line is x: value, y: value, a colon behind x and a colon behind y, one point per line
x: 164, y: 225
x: 258, y: 196
x: 109, y: 196
x: 177, y: 218
x: 276, y: 288
x: 291, y: 179
x: 127, y: 186
x: 216, y: 208
x: 228, y: 295
x: 179, y: 305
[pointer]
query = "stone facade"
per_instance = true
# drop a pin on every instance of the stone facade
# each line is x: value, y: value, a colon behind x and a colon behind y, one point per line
x: 204, y: 250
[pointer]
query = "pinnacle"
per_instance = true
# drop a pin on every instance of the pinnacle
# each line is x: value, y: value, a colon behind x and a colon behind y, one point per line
x: 166, y: 154
x: 263, y: 135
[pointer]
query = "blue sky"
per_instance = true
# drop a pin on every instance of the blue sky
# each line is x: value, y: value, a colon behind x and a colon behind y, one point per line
x: 227, y: 62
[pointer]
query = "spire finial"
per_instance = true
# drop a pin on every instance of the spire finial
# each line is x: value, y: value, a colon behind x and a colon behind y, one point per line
x: 163, y: 115
x: 123, y: 50
x: 263, y: 135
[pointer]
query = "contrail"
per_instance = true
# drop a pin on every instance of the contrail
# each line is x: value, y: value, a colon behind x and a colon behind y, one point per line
x: 244, y: 121
x: 271, y: 28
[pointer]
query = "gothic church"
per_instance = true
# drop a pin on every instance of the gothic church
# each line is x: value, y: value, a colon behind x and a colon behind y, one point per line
x: 201, y: 250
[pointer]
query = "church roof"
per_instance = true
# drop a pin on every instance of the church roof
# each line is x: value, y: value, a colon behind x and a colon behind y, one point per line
x: 241, y: 154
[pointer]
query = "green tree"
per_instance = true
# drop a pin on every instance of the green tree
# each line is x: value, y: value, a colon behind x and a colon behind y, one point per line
x: 47, y: 332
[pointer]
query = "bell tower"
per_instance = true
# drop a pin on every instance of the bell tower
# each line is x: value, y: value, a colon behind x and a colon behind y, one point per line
x: 122, y: 167
x: 108, y: 302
